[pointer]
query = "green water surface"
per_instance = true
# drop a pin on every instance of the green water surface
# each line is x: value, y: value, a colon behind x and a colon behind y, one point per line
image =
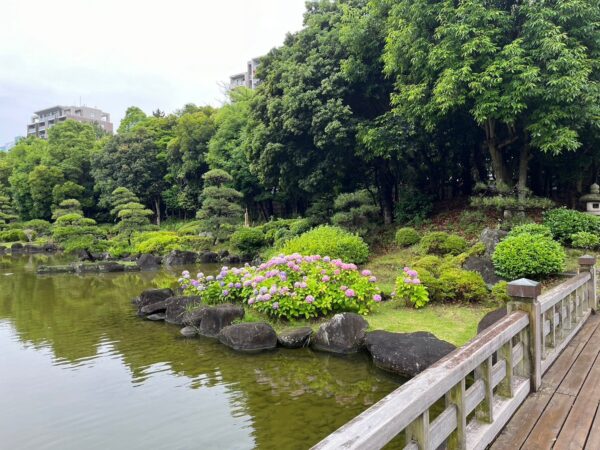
x: 78, y: 370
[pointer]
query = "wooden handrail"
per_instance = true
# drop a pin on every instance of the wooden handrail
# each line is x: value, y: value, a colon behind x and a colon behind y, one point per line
x: 507, y: 361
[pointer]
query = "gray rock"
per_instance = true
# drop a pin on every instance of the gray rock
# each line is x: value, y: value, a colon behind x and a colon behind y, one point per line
x: 344, y: 333
x: 249, y: 337
x: 406, y: 354
x: 295, y: 338
x: 176, y: 307
x: 188, y: 332
x: 150, y: 296
x: 485, y: 267
x: 193, y: 318
x: 16, y: 248
x: 50, y: 248
x: 215, y: 318
x: 147, y: 261
x: 231, y: 259
x: 153, y: 308
x: 156, y: 317
x: 490, y: 238
x: 208, y: 258
x: 180, y: 258
x: 491, y: 318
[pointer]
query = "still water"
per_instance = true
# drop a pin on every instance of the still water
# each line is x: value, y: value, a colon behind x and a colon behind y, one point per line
x: 78, y: 370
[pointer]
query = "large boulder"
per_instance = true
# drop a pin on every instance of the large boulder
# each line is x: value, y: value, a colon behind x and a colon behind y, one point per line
x: 491, y: 318
x: 147, y: 261
x: 491, y: 238
x: 16, y: 248
x: 485, y: 267
x: 249, y: 337
x: 153, y: 308
x: 193, y: 318
x: 30, y: 248
x: 180, y: 258
x: 208, y: 258
x: 406, y: 354
x: 214, y: 319
x: 176, y: 307
x: 150, y: 296
x: 295, y: 337
x: 344, y: 333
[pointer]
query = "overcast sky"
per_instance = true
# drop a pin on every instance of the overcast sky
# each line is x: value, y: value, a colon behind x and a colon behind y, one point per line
x: 117, y: 53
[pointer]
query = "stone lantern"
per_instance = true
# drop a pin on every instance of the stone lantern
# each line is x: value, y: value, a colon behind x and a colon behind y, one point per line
x: 592, y: 200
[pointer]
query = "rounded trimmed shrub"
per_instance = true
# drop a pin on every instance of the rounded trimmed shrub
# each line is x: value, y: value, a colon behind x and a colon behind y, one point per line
x: 442, y: 243
x: 585, y: 240
x: 528, y: 255
x: 531, y: 228
x: 565, y: 222
x: 248, y: 241
x: 407, y: 236
x: 458, y: 285
x: 12, y: 236
x: 329, y: 241
x: 41, y: 227
x: 158, y: 242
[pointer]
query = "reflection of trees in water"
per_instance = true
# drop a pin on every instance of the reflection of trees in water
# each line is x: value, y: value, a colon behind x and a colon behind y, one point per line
x: 282, y: 390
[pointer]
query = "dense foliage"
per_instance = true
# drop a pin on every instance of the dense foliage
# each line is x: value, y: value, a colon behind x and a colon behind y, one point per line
x: 330, y: 241
x: 528, y: 255
x: 410, y: 102
x: 442, y: 243
x: 407, y: 236
x: 290, y: 287
x: 565, y: 222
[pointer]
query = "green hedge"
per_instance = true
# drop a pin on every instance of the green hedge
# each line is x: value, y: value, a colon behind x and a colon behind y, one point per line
x: 329, y: 241
x: 528, y: 255
x: 442, y: 243
x: 565, y: 222
x: 407, y: 236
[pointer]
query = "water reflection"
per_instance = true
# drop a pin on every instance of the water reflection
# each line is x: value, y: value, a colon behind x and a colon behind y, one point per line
x: 81, y: 371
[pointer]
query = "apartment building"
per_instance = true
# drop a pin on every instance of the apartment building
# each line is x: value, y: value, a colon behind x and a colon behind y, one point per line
x: 247, y: 78
x: 45, y: 119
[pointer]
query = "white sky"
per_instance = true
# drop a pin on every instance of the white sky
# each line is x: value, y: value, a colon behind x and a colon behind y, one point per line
x: 116, y: 53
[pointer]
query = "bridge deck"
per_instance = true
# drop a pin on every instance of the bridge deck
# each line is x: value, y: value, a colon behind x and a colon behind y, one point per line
x: 565, y: 413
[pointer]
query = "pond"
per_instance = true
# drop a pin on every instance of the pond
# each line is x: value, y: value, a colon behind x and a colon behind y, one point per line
x: 78, y: 370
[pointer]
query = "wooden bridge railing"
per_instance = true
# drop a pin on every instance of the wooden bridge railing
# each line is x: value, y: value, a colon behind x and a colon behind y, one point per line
x: 465, y: 399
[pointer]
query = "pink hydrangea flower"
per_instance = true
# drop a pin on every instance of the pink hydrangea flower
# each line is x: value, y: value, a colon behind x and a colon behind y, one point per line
x: 377, y: 298
x: 350, y: 293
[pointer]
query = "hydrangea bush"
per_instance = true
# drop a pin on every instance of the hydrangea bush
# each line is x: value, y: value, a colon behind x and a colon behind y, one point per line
x: 409, y: 288
x: 290, y: 287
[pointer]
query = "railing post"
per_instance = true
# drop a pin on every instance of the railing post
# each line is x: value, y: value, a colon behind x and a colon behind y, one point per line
x: 587, y: 263
x: 524, y: 294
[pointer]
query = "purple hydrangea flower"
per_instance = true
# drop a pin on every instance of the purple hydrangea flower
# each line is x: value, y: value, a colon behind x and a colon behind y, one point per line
x: 276, y: 305
x: 350, y: 293
x: 309, y: 299
x: 377, y: 298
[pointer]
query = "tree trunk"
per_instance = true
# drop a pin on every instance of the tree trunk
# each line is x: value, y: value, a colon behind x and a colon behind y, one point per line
x: 523, y: 165
x: 498, y: 166
x: 157, y: 209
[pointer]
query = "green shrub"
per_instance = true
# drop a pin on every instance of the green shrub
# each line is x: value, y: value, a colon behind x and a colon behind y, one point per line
x: 458, y: 285
x: 502, y: 202
x: 191, y: 228
x: 500, y: 292
x: 411, y: 289
x: 41, y: 227
x: 585, y: 240
x: 528, y: 255
x: 248, y: 241
x: 195, y: 243
x: 531, y: 228
x: 442, y: 243
x: 565, y: 222
x: 299, y: 226
x: 12, y: 236
x: 430, y: 262
x: 407, y: 236
x: 413, y: 207
x: 156, y: 242
x: 329, y: 241
x: 512, y: 222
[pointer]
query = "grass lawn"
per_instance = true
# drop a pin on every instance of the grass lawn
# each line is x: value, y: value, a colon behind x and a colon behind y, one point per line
x: 456, y: 324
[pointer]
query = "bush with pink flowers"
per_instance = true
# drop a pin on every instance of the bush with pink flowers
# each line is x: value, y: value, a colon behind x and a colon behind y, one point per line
x: 290, y: 287
x: 410, y: 288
